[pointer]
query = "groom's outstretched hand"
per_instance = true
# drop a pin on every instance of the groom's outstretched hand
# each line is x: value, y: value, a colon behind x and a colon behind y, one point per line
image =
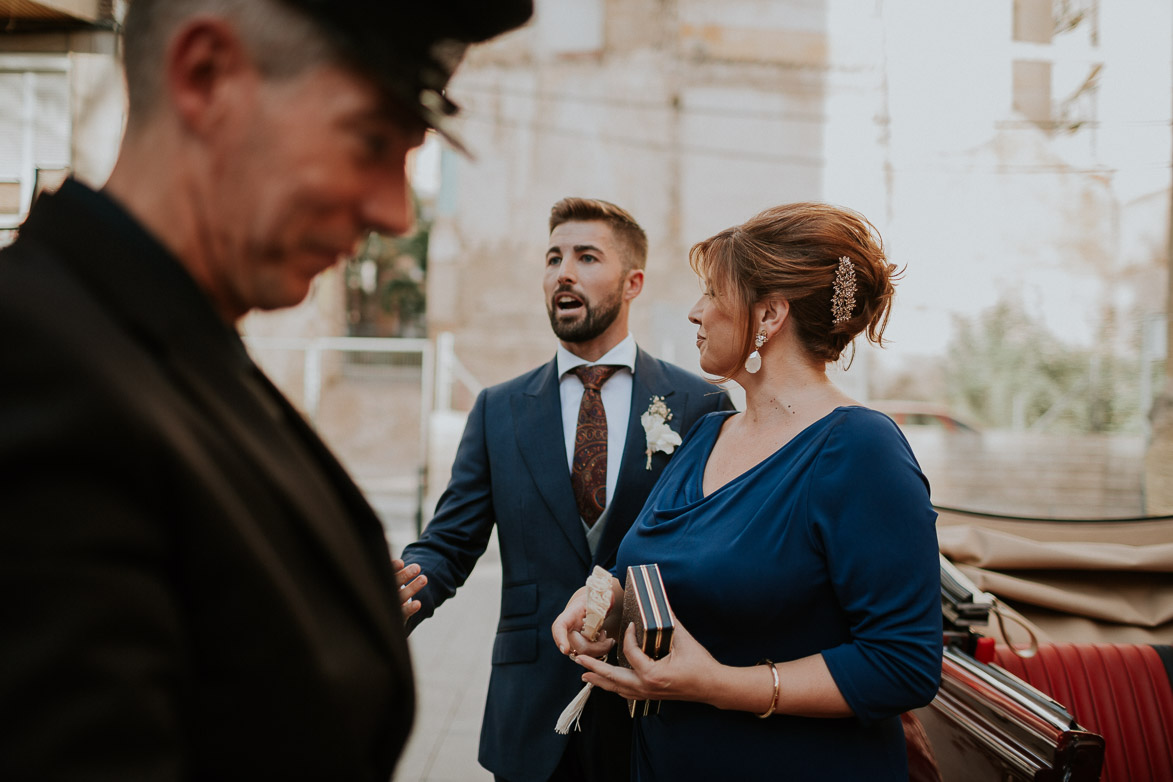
x: 410, y: 581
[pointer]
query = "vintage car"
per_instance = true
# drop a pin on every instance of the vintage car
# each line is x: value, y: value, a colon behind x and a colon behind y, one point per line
x: 925, y: 415
x: 1032, y: 704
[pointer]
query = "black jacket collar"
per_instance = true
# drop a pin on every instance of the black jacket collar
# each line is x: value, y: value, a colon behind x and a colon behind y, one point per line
x: 120, y: 262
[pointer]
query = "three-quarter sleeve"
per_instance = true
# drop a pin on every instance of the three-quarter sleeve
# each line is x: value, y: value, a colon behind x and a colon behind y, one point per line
x: 870, y: 515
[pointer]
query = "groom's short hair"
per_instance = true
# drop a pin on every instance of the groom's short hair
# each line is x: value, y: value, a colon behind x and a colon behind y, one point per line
x: 622, y: 224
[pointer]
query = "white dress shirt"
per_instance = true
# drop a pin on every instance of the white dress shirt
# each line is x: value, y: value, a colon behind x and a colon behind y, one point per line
x: 616, y: 394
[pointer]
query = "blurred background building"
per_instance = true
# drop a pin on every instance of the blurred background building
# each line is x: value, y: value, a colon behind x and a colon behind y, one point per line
x: 1014, y: 154
x: 61, y: 97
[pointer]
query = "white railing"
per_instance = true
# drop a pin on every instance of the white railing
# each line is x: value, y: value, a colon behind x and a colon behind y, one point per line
x: 315, y: 347
x: 449, y: 372
x: 440, y: 371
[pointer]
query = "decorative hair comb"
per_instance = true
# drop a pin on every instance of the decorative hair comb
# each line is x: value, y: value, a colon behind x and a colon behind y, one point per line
x: 843, y: 292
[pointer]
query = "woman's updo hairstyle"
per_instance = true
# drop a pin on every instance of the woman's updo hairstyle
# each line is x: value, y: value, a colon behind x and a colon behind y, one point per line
x: 793, y: 251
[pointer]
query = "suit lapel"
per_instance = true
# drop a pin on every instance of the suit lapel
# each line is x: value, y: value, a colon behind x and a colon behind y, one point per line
x: 635, y: 480
x: 537, y: 417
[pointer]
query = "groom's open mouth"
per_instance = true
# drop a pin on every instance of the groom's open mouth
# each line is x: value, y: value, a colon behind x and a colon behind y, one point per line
x: 567, y: 303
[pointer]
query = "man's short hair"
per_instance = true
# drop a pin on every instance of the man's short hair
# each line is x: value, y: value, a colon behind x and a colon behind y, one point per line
x: 282, y: 41
x: 622, y: 224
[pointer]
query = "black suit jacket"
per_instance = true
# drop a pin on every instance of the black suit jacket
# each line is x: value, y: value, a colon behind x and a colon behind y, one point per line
x: 193, y: 588
x: 511, y: 471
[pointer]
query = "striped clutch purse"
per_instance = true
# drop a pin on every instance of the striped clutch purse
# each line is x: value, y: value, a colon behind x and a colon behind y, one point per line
x: 646, y: 606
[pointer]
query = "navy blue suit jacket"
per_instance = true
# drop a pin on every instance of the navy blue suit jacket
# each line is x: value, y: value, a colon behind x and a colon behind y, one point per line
x: 511, y: 471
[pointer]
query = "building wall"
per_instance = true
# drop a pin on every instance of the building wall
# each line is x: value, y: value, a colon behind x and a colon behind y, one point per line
x: 1032, y: 474
x: 62, y: 110
x: 690, y: 115
x: 695, y: 115
x: 986, y: 202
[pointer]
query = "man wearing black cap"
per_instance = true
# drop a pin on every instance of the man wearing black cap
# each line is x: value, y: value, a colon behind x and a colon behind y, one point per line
x: 193, y: 588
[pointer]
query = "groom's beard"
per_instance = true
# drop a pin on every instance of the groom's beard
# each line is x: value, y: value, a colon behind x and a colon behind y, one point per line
x: 596, y: 318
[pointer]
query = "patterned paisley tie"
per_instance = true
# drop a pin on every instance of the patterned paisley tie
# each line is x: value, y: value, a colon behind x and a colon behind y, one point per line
x: 588, y: 473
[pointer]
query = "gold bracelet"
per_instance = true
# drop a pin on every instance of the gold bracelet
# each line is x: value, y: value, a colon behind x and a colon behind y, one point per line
x: 777, y: 687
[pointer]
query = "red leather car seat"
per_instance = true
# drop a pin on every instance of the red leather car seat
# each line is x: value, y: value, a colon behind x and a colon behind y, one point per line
x: 1121, y: 691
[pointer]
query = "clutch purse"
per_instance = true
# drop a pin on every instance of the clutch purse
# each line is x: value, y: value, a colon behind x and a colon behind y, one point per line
x: 646, y: 606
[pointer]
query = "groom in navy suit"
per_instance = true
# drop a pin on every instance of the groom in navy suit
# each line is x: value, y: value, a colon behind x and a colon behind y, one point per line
x: 563, y: 480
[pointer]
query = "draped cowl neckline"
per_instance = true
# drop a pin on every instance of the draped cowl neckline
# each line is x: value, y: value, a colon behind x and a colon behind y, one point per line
x: 803, y: 435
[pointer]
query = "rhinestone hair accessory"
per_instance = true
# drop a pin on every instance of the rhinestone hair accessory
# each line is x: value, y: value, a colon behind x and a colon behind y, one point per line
x: 843, y: 294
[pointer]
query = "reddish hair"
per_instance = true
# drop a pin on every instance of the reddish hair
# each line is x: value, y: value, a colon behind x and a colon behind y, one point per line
x: 793, y: 251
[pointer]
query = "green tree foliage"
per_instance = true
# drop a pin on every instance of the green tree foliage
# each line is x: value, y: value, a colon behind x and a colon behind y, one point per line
x: 385, y: 283
x: 1006, y: 370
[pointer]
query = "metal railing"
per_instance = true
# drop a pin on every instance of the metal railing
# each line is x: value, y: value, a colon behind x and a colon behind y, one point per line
x: 440, y: 371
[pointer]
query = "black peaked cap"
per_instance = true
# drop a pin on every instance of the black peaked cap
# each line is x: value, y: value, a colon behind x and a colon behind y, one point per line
x: 412, y: 47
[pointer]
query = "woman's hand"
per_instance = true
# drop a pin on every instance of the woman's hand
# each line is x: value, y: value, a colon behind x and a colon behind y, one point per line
x: 687, y: 673
x: 567, y: 628
x: 410, y: 582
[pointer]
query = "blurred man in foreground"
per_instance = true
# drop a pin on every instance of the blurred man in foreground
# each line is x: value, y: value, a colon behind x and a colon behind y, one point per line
x: 194, y: 589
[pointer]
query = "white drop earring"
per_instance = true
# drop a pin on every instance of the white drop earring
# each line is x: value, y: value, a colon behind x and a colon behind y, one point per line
x: 754, y: 362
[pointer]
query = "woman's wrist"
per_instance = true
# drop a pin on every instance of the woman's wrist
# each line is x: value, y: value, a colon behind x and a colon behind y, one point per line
x: 777, y: 686
x: 736, y: 688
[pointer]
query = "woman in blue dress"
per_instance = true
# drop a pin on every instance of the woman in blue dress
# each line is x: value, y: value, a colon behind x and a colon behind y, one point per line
x: 796, y: 539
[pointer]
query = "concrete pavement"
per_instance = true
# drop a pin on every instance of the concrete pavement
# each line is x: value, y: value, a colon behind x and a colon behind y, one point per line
x: 450, y: 654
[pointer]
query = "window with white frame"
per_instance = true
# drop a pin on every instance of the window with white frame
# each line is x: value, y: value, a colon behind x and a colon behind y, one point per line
x: 570, y: 27
x: 1040, y: 21
x: 1033, y: 21
x: 1055, y: 71
x: 35, y: 129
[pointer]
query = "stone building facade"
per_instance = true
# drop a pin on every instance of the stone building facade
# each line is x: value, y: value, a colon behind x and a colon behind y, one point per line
x: 1009, y: 149
x: 1006, y: 151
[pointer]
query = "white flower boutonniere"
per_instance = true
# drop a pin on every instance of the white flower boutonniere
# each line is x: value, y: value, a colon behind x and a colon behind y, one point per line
x: 660, y: 435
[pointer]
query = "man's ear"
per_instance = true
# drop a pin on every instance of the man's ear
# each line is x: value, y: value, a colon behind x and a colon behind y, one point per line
x: 204, y: 61
x: 634, y: 284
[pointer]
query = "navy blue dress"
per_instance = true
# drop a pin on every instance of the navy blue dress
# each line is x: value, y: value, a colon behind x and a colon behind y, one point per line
x: 829, y: 545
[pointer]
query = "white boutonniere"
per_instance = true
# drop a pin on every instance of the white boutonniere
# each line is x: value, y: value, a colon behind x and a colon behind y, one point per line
x: 660, y: 436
